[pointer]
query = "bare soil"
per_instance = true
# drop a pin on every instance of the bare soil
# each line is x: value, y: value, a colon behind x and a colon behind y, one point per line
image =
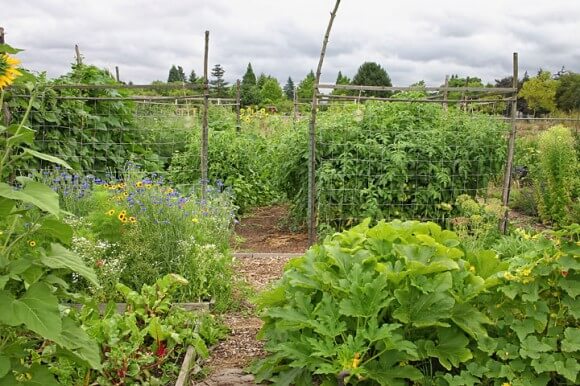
x: 261, y: 233
x: 264, y: 230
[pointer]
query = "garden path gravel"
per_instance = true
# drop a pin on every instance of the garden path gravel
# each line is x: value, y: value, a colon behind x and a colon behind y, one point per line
x: 260, y: 231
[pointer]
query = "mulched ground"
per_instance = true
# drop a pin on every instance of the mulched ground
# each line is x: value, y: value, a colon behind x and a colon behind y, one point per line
x: 264, y: 230
x: 261, y: 232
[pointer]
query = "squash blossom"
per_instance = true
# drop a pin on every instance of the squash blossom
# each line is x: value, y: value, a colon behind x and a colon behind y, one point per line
x: 8, y: 70
x: 356, y: 361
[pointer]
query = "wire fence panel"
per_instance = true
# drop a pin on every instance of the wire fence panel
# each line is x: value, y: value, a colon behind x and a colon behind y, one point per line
x: 402, y: 160
x: 100, y: 136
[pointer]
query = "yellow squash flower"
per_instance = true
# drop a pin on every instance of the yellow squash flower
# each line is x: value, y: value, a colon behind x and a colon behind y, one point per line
x: 356, y: 361
x: 8, y: 70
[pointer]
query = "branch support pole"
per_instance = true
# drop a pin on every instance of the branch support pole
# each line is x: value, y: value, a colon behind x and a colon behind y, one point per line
x: 312, y: 214
x: 238, y: 106
x: 204, y: 126
x: 511, y: 146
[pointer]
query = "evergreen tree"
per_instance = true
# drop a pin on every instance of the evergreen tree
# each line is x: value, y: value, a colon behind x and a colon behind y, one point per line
x: 306, y: 86
x: 192, y: 77
x: 341, y: 79
x: 289, y: 88
x: 218, y: 85
x: 249, y: 93
x: 261, y: 80
x: 372, y: 74
x: 173, y: 75
x: 181, y: 74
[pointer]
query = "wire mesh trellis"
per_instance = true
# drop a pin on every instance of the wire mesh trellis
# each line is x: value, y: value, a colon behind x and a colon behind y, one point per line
x: 407, y: 156
x: 100, y: 135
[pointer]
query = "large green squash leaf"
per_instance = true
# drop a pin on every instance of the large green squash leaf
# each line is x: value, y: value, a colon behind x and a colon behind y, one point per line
x: 450, y: 349
x: 423, y: 310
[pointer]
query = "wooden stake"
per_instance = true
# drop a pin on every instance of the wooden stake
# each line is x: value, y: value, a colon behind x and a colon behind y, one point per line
x: 78, y: 55
x: 446, y: 92
x: 2, y: 35
x: 204, y: 129
x: 312, y: 215
x: 511, y: 146
x: 238, y: 105
x: 295, y: 98
x: 117, y: 74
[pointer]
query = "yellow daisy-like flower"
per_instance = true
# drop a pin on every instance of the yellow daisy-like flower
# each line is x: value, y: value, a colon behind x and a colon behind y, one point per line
x: 32, y: 243
x: 122, y: 217
x: 111, y: 212
x: 139, y: 184
x: 8, y: 70
x: 123, y: 212
x: 195, y: 220
x: 132, y: 220
x: 126, y: 194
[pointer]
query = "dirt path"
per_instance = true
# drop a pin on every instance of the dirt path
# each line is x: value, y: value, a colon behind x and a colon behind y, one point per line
x: 260, y: 232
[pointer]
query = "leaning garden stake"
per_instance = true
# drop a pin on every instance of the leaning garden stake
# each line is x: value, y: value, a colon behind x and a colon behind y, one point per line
x: 511, y: 146
x: 312, y: 134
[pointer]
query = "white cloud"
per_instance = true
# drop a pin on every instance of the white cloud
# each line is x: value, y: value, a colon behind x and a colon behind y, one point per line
x: 412, y: 39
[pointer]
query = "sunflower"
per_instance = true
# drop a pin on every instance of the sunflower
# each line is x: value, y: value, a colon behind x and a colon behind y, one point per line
x: 32, y: 243
x: 122, y: 217
x: 110, y: 212
x: 8, y: 70
x: 132, y: 220
x: 139, y: 184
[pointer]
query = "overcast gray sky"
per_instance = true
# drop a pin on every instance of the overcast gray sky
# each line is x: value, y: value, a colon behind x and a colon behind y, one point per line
x: 414, y: 40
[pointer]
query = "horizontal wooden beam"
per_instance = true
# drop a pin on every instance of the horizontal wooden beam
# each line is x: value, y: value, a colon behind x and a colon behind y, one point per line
x: 165, y: 86
x: 413, y: 88
x: 422, y: 100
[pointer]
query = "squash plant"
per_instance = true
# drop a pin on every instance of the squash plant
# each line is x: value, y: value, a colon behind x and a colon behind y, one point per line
x: 33, y: 265
x: 404, y: 303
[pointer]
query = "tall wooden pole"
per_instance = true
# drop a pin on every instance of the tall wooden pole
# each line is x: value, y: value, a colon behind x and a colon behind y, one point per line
x: 295, y: 97
x: 78, y: 55
x: 204, y: 128
x: 238, y: 105
x: 446, y: 92
x: 312, y: 215
x: 2, y: 35
x: 117, y: 74
x: 511, y: 146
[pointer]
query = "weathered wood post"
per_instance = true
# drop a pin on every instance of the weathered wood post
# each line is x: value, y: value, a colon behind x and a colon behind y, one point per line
x: 78, y: 55
x: 312, y: 216
x: 204, y: 128
x: 511, y: 145
x: 238, y: 106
